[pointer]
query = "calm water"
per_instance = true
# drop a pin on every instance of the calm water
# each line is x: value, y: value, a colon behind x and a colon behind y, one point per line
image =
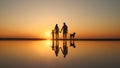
x: 59, y: 54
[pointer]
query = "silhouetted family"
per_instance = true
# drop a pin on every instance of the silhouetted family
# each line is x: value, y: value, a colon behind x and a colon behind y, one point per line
x: 57, y: 31
x: 64, y: 29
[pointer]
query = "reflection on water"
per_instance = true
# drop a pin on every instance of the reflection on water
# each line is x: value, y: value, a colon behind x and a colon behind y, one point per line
x: 57, y: 48
x: 64, y: 49
x: 72, y: 43
x: 59, y: 54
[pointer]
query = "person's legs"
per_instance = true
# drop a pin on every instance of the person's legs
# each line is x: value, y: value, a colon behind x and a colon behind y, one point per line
x: 66, y: 36
x: 63, y: 36
x: 52, y: 37
x: 57, y: 36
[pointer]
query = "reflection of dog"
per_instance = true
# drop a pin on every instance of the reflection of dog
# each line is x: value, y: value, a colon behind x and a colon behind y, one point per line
x: 72, y: 44
x: 72, y: 35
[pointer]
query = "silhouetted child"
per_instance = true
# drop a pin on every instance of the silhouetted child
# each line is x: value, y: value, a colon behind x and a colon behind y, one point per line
x: 52, y: 34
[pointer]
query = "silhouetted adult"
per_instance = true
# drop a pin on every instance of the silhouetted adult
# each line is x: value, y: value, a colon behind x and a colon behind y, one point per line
x: 65, y: 30
x: 57, y: 31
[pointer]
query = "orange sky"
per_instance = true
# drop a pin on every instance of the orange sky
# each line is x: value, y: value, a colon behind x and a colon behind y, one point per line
x: 88, y: 18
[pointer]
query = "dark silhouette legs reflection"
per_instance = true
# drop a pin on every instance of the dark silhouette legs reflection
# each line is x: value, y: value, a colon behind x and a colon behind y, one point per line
x: 57, y: 48
x: 64, y: 48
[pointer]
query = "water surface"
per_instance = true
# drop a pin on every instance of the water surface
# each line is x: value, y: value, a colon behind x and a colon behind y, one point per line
x: 59, y: 54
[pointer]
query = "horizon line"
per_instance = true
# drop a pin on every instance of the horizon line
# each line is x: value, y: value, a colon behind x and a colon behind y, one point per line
x: 82, y: 39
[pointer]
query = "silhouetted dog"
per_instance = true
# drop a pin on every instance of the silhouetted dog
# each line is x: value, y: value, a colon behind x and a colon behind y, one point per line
x: 72, y: 35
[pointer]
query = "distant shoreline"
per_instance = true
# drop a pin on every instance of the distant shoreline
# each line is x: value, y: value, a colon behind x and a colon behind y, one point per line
x: 22, y: 39
x: 82, y: 39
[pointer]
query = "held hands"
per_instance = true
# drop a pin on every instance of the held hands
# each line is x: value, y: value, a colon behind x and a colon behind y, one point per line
x: 60, y: 31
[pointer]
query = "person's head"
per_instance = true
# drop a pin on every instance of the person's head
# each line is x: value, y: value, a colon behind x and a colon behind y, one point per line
x: 56, y: 24
x: 52, y: 30
x: 64, y: 23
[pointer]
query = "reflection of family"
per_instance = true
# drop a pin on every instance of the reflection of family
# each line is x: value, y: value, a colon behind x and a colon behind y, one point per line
x: 57, y: 48
x: 57, y: 31
x: 64, y: 49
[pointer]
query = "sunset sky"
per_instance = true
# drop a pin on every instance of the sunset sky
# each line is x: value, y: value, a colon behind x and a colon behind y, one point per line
x: 36, y: 18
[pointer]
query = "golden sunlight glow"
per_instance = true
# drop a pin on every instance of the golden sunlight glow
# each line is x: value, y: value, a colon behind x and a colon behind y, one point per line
x: 48, y: 43
x: 48, y: 35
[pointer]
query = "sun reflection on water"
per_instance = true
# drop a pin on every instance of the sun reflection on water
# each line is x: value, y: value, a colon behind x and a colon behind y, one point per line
x: 49, y: 43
